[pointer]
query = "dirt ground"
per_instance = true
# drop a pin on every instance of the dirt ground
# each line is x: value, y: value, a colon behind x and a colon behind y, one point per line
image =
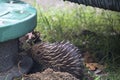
x: 49, y: 74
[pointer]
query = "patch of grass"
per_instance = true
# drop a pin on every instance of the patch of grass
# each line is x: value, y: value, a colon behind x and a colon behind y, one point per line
x: 92, y: 29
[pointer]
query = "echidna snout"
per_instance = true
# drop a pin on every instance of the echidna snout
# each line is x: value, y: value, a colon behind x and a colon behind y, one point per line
x: 60, y: 56
x: 25, y: 42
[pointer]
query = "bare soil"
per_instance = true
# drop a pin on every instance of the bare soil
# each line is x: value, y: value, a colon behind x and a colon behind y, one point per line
x: 49, y: 74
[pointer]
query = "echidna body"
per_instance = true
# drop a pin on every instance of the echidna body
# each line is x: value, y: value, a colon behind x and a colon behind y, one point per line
x: 60, y: 56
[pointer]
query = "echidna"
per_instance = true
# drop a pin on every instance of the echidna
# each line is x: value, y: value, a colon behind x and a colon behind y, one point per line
x: 60, y: 56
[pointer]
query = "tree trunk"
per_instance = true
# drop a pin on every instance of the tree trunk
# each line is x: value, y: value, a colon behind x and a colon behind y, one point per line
x: 113, y: 5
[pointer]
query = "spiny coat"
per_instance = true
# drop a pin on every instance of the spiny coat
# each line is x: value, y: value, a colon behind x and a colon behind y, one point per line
x: 60, y: 56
